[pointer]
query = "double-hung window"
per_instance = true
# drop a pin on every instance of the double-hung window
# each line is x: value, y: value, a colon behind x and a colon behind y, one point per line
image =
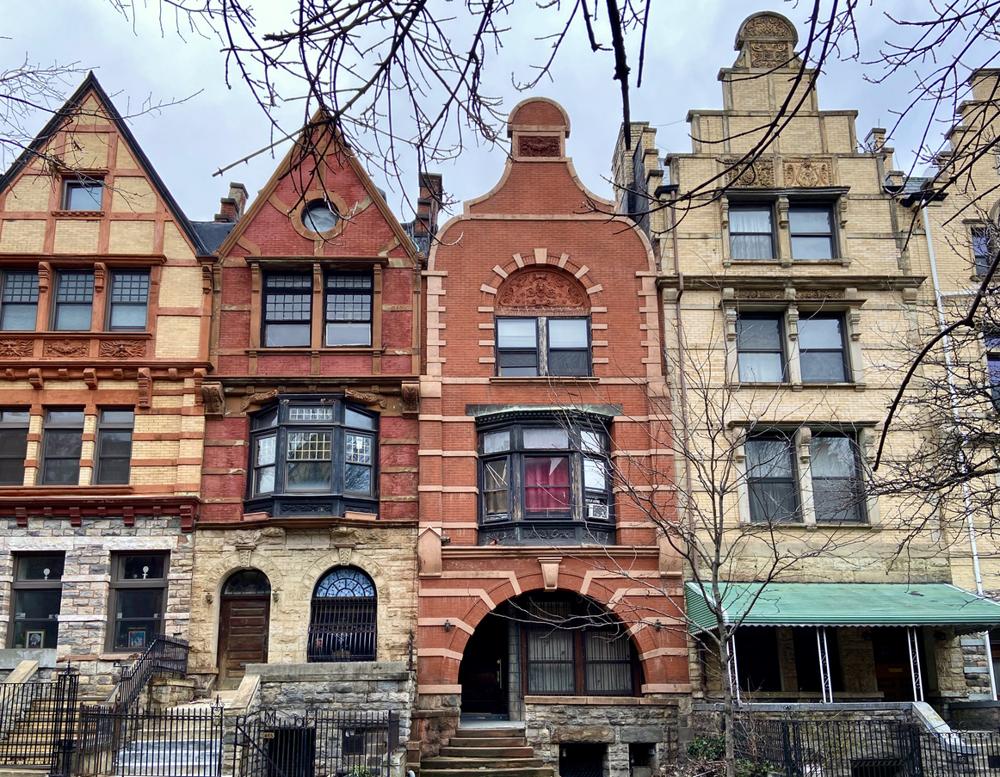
x: 138, y: 599
x: 838, y: 492
x: 348, y: 308
x: 114, y: 446
x: 981, y: 249
x: 772, y: 483
x: 62, y: 441
x: 13, y: 445
x: 19, y: 300
x: 129, y: 300
x: 759, y: 347
x: 821, y: 349
x: 556, y: 346
x: 85, y: 193
x: 751, y: 231
x: 37, y: 599
x: 811, y: 230
x: 287, y: 313
x: 74, y: 300
x: 992, y: 342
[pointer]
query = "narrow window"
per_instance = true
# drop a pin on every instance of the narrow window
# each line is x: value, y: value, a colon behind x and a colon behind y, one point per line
x: 496, y: 475
x: 114, y: 446
x: 771, y: 479
x: 981, y: 249
x: 751, y: 232
x: 359, y: 453
x: 517, y: 346
x: 74, y: 300
x: 569, y: 346
x: 811, y: 230
x: 129, y: 299
x: 550, y: 661
x: 13, y: 446
x: 62, y: 440
x: 821, y: 349
x: 759, y: 348
x: 138, y: 599
x: 348, y: 309
x: 287, y: 309
x: 838, y: 490
x: 37, y: 590
x: 83, y: 194
x: 992, y: 341
x: 19, y: 303
x: 608, y: 658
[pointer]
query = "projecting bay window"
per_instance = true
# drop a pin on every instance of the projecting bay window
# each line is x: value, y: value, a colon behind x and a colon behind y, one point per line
x: 37, y: 599
x: 138, y: 599
x: 554, y: 346
x: 542, y: 480
x: 313, y: 455
x: 19, y: 300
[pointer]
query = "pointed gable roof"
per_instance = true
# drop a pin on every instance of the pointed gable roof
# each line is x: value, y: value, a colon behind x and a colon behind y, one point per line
x: 72, y: 105
x: 286, y: 165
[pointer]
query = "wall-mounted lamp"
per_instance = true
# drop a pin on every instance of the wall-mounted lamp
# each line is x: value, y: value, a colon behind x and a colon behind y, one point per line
x: 274, y: 595
x: 448, y: 625
x: 208, y: 597
x: 445, y: 539
x: 658, y: 624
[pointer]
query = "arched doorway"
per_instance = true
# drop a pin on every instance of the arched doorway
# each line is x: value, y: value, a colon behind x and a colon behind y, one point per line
x: 244, y: 620
x: 343, y: 615
x: 545, y: 644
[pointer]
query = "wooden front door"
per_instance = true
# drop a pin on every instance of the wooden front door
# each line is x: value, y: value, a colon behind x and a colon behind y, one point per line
x: 892, y: 664
x: 483, y: 672
x: 243, y: 627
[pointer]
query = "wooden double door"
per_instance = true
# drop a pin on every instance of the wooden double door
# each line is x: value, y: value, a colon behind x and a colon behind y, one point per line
x: 244, y: 622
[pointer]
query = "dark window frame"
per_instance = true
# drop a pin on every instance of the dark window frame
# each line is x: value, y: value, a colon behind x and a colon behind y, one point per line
x: 119, y: 584
x: 61, y: 276
x: 982, y: 244
x: 775, y: 435
x: 991, y: 346
x: 115, y: 276
x: 332, y: 290
x: 762, y: 315
x: 289, y: 290
x: 18, y: 585
x: 49, y: 427
x: 275, y: 421
x: 105, y: 427
x: 856, y: 487
x: 830, y: 208
x: 357, y: 604
x: 8, y: 451
x: 82, y: 182
x: 543, y: 350
x: 841, y: 318
x: 749, y: 204
x: 5, y: 292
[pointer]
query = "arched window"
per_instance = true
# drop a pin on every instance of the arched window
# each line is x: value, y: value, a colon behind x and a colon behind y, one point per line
x: 247, y: 582
x: 342, y: 624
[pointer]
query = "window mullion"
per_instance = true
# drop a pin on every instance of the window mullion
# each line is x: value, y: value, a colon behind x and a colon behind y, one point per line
x: 542, y: 344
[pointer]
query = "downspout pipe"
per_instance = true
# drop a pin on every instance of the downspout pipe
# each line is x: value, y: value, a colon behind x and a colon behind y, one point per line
x: 953, y: 398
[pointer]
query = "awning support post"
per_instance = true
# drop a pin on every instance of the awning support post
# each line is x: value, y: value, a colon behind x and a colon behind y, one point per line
x: 734, y: 670
x: 822, y: 650
x: 913, y: 642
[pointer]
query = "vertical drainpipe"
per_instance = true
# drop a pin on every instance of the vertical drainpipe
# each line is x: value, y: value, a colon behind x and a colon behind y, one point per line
x: 952, y: 393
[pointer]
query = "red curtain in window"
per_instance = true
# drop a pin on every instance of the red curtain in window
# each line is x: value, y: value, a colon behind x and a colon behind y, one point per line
x: 546, y: 484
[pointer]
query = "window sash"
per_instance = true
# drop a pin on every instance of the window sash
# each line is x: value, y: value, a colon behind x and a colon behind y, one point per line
x: 125, y: 627
x: 13, y: 446
x: 760, y: 363
x: 61, y: 468
x: 348, y: 309
x: 746, y: 237
x: 838, y: 496
x: 773, y: 498
x: 73, y: 306
x: 981, y: 249
x: 811, y: 368
x: 129, y: 300
x: 83, y: 194
x: 113, y: 468
x: 286, y: 310
x: 810, y: 243
x: 19, y: 301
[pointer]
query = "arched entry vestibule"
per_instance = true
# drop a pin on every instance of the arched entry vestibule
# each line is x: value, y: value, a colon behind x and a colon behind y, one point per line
x: 244, y: 622
x: 545, y: 644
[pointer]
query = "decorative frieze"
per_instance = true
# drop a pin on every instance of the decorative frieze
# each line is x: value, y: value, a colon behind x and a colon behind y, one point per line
x: 808, y: 173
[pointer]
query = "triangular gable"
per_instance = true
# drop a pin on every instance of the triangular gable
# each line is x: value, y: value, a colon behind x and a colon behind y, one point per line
x: 286, y: 166
x: 69, y: 108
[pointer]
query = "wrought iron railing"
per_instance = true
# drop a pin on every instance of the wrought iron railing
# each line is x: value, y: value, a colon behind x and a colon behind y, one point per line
x: 38, y: 721
x: 164, y: 655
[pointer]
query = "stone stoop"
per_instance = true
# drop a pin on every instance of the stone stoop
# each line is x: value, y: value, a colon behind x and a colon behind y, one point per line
x: 496, y: 752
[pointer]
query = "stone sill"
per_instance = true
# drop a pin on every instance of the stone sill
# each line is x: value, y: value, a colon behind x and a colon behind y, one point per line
x: 545, y: 380
x: 304, y: 350
x: 814, y: 526
x: 598, y: 701
x: 796, y: 386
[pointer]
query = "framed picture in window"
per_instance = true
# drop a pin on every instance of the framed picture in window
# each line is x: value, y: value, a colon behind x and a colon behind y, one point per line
x: 34, y: 640
x: 136, y: 639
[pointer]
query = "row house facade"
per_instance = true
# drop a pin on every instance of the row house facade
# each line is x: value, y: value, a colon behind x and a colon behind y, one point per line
x: 104, y: 323
x: 792, y: 304
x: 546, y: 596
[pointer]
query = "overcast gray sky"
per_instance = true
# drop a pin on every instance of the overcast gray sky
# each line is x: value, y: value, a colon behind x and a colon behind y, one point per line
x: 688, y: 43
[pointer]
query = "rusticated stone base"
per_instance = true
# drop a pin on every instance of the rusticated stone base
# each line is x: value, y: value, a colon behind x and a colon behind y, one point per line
x: 435, y: 721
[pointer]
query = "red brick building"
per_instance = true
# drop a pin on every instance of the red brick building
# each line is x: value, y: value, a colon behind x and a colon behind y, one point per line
x: 311, y: 467
x: 543, y: 378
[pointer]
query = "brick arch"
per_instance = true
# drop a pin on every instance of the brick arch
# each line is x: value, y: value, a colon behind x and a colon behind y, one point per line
x: 562, y: 267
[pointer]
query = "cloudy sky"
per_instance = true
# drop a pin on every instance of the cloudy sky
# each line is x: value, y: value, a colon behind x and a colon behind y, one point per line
x: 689, y: 42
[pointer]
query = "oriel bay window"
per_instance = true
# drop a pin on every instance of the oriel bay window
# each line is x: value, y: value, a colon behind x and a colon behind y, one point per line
x: 555, y: 346
x: 138, y: 599
x: 545, y: 479
x: 37, y: 598
x: 312, y: 455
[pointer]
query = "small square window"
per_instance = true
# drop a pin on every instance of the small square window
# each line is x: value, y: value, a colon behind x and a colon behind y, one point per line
x: 83, y: 194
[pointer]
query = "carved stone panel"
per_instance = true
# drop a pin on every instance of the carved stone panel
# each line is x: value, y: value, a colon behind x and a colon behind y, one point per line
x: 757, y: 175
x: 16, y: 347
x: 538, y: 145
x: 122, y: 349
x: 66, y: 349
x: 808, y: 172
x: 541, y: 288
x: 769, y: 54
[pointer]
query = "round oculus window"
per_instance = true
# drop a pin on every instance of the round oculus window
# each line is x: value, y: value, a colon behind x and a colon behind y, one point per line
x: 320, y: 216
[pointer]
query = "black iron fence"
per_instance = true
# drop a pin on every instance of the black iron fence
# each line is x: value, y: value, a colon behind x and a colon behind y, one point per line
x: 864, y: 748
x: 338, y: 744
x: 164, y: 655
x: 38, y: 721
x: 172, y: 743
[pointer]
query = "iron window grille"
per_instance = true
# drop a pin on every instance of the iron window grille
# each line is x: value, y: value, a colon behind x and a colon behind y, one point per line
x: 287, y: 309
x: 554, y: 346
x: 19, y: 300
x: 129, y: 300
x: 13, y: 445
x: 114, y: 446
x: 313, y: 455
x: 83, y: 194
x: 837, y: 478
x: 811, y: 231
x: 772, y: 480
x: 342, y: 623
x: 37, y: 600
x: 138, y: 599
x: 751, y: 231
x: 760, y: 348
x: 74, y: 300
x: 348, y: 309
x: 822, y: 350
x: 62, y: 442
x: 545, y: 478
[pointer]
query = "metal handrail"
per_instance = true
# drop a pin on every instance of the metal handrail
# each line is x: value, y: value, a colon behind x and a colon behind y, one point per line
x: 164, y: 655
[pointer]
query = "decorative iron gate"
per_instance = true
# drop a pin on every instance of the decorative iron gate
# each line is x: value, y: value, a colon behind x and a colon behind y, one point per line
x: 37, y: 723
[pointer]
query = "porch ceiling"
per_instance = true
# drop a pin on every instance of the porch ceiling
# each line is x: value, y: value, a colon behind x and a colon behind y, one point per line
x: 843, y: 604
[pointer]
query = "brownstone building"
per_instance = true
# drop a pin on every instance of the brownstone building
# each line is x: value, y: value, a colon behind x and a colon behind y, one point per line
x: 542, y: 373
x: 104, y: 321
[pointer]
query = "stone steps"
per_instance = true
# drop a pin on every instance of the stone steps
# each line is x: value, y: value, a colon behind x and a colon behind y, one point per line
x: 452, y: 751
x: 483, y: 762
x: 480, y: 751
x: 478, y: 741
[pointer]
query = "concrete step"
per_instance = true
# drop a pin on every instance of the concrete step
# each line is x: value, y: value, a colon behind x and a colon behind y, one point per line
x: 508, y: 741
x: 496, y: 770
x: 490, y: 731
x: 496, y: 753
x: 450, y: 762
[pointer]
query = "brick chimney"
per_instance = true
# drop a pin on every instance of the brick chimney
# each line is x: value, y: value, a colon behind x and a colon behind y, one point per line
x: 428, y: 204
x: 231, y: 207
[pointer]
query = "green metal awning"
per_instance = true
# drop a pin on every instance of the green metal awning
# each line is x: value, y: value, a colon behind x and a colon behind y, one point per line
x: 843, y: 604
